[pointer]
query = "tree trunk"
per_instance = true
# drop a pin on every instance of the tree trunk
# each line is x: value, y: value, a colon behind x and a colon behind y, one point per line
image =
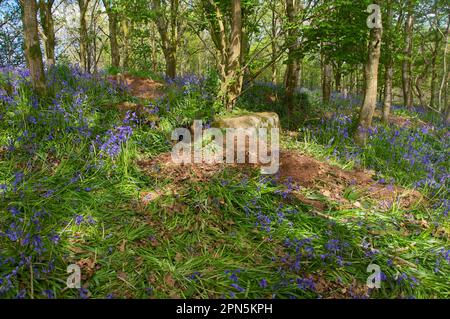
x: 84, y: 38
x: 338, y: 77
x: 293, y: 65
x: 444, y: 83
x: 171, y: 62
x: 327, y: 76
x: 168, y: 33
x: 371, y: 77
x: 33, y: 52
x: 389, y: 68
x: 407, y: 64
x: 112, y: 23
x: 125, y: 24
x: 48, y: 27
x: 274, y: 43
x: 154, y: 51
x: 235, y: 76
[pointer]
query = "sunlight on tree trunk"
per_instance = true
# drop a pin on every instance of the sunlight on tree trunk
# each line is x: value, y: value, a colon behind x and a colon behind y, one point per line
x: 48, y: 27
x: 371, y: 87
x: 32, y: 47
x: 113, y: 26
x: 293, y: 65
x: 84, y: 39
x: 407, y: 59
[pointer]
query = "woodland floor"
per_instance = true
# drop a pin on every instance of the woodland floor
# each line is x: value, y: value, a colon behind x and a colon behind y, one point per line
x: 144, y: 227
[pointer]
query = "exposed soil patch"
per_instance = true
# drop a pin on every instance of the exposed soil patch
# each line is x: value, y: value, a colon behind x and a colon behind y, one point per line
x: 139, y: 87
x: 333, y: 181
x: 163, y: 165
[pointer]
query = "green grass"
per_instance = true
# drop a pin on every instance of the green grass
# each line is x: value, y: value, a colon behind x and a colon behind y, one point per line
x: 232, y: 236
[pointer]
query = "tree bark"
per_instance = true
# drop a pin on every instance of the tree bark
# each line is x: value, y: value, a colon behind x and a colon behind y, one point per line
x: 444, y: 83
x: 389, y: 68
x: 274, y: 43
x: 33, y: 52
x: 293, y: 65
x: 84, y: 37
x: 48, y: 27
x: 113, y: 23
x: 169, y: 34
x: 126, y: 26
x: 235, y: 75
x: 407, y: 64
x: 371, y: 78
x: 327, y: 76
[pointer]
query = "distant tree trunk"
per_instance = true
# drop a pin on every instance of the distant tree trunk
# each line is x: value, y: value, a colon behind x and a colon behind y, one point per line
x: 125, y: 24
x: 293, y: 65
x: 422, y: 76
x: 338, y: 77
x: 327, y: 76
x: 112, y: 22
x: 274, y: 43
x: 33, y: 52
x: 48, y: 27
x: 407, y: 63
x: 389, y: 67
x: 433, y: 79
x: 444, y: 83
x: 371, y: 77
x: 84, y: 37
x: 154, y: 51
x: 388, y: 96
x: 169, y: 33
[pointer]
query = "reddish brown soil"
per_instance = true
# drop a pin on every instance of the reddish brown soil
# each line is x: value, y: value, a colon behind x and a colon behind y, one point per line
x: 333, y: 181
x: 305, y: 171
x: 139, y: 87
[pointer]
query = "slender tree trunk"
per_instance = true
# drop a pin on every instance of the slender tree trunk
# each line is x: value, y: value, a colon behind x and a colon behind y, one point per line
x: 421, y: 78
x: 388, y: 96
x: 125, y: 24
x: 235, y: 74
x: 84, y: 38
x: 154, y: 51
x: 407, y: 64
x: 293, y: 65
x: 274, y: 43
x: 113, y: 42
x: 389, y: 67
x: 444, y: 83
x: 48, y: 27
x: 168, y: 32
x: 338, y: 77
x: 370, y: 94
x: 327, y: 76
x: 33, y: 52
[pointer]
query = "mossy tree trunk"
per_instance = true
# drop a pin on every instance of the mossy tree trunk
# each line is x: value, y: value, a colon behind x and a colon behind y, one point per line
x: 169, y: 31
x: 371, y: 86
x: 33, y: 52
x: 113, y: 30
x: 84, y: 37
x: 293, y: 65
x: 227, y: 38
x: 407, y: 63
x: 48, y: 27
